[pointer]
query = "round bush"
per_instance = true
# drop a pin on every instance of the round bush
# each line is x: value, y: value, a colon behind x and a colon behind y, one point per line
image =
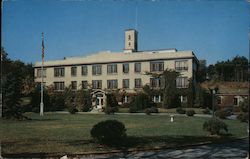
x: 72, y: 110
x: 148, y: 111
x: 222, y: 114
x: 214, y: 126
x: 190, y: 112
x: 206, y: 111
x: 109, y: 132
x: 180, y: 110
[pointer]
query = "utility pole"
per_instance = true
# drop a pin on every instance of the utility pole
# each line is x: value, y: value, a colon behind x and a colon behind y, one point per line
x: 41, y: 104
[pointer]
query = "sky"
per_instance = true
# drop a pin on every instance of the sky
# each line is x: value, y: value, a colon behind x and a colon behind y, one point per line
x: 214, y: 30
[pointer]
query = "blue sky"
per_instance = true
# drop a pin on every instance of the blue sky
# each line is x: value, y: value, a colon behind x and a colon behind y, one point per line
x: 214, y: 30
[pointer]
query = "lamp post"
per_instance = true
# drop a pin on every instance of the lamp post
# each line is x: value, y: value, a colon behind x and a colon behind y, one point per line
x: 213, y: 92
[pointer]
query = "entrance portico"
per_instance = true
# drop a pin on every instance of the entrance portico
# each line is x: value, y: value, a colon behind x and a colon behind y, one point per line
x: 99, y: 99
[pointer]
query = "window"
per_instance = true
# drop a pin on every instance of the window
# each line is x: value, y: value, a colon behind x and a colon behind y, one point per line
x: 181, y: 65
x: 138, y: 83
x: 59, y: 72
x: 74, y: 85
x: 84, y: 70
x: 183, y: 99
x: 125, y: 83
x: 156, y: 99
x: 39, y: 73
x: 129, y: 37
x: 112, y: 84
x: 129, y: 44
x: 96, y: 69
x: 156, y: 66
x: 73, y: 71
x: 84, y: 84
x: 59, y: 86
x: 97, y: 84
x: 125, y: 68
x: 181, y: 82
x: 235, y: 101
x: 112, y: 68
x: 155, y: 82
x: 219, y: 100
x: 137, y: 67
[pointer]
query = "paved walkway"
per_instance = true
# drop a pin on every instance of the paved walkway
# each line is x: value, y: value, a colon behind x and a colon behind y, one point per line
x: 233, y: 150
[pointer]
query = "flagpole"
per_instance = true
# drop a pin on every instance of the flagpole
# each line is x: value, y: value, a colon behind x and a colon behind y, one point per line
x: 41, y: 104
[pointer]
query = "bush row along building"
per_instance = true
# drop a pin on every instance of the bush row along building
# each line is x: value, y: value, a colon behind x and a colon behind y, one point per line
x: 125, y: 70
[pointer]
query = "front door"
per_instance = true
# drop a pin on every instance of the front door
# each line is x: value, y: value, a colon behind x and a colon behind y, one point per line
x: 99, y: 101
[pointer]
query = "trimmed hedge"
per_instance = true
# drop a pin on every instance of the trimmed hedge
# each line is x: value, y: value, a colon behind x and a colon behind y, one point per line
x: 190, y: 112
x: 109, y: 132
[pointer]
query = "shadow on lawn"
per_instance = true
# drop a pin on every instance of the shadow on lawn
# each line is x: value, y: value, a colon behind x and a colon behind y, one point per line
x: 131, y: 143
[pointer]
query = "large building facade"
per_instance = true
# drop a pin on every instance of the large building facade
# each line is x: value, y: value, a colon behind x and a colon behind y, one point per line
x: 125, y: 70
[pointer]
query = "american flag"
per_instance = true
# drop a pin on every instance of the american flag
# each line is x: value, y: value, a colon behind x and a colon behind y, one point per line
x: 42, y: 47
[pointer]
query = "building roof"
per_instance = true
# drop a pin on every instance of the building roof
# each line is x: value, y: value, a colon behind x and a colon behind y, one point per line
x: 228, y: 88
x: 115, y: 57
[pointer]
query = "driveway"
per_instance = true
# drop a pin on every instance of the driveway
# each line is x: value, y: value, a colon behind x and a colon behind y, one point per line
x: 233, y: 150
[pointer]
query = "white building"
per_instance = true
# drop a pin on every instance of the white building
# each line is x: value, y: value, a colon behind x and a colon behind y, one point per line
x: 117, y: 70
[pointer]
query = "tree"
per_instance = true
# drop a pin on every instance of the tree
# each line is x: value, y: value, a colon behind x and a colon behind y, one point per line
x: 84, y: 100
x: 11, y: 97
x: 199, y: 97
x: 190, y: 94
x: 111, y: 105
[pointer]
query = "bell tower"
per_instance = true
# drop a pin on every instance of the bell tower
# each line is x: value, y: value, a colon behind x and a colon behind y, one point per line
x: 130, y: 41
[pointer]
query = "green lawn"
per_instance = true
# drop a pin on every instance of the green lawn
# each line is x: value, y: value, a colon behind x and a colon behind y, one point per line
x: 65, y: 133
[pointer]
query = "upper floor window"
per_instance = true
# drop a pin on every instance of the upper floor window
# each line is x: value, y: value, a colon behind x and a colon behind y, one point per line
x: 181, y: 65
x: 74, y: 85
x: 235, y: 101
x: 125, y: 68
x: 59, y: 86
x: 129, y: 37
x: 84, y: 70
x: 97, y: 69
x: 155, y: 82
x: 138, y: 83
x: 59, y: 72
x: 125, y: 83
x: 156, y: 66
x: 112, y: 84
x: 97, y: 84
x: 181, y: 82
x: 73, y: 71
x: 137, y: 67
x: 112, y: 68
x: 84, y: 84
x: 40, y: 72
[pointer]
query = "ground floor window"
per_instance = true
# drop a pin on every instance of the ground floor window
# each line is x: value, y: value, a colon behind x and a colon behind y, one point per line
x: 156, y: 99
x: 235, y: 101
x: 183, y: 99
x: 74, y: 85
x: 59, y: 86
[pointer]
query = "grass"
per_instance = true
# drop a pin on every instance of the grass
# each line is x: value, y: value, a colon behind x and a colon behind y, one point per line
x: 67, y: 134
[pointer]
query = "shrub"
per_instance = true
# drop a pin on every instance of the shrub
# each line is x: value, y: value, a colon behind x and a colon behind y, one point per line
x: 206, y: 111
x: 112, y: 104
x: 148, y: 111
x: 190, y: 112
x: 222, y: 114
x: 140, y: 102
x: 180, y: 110
x: 214, y: 126
x: 109, y: 132
x: 72, y: 110
x: 243, y: 117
